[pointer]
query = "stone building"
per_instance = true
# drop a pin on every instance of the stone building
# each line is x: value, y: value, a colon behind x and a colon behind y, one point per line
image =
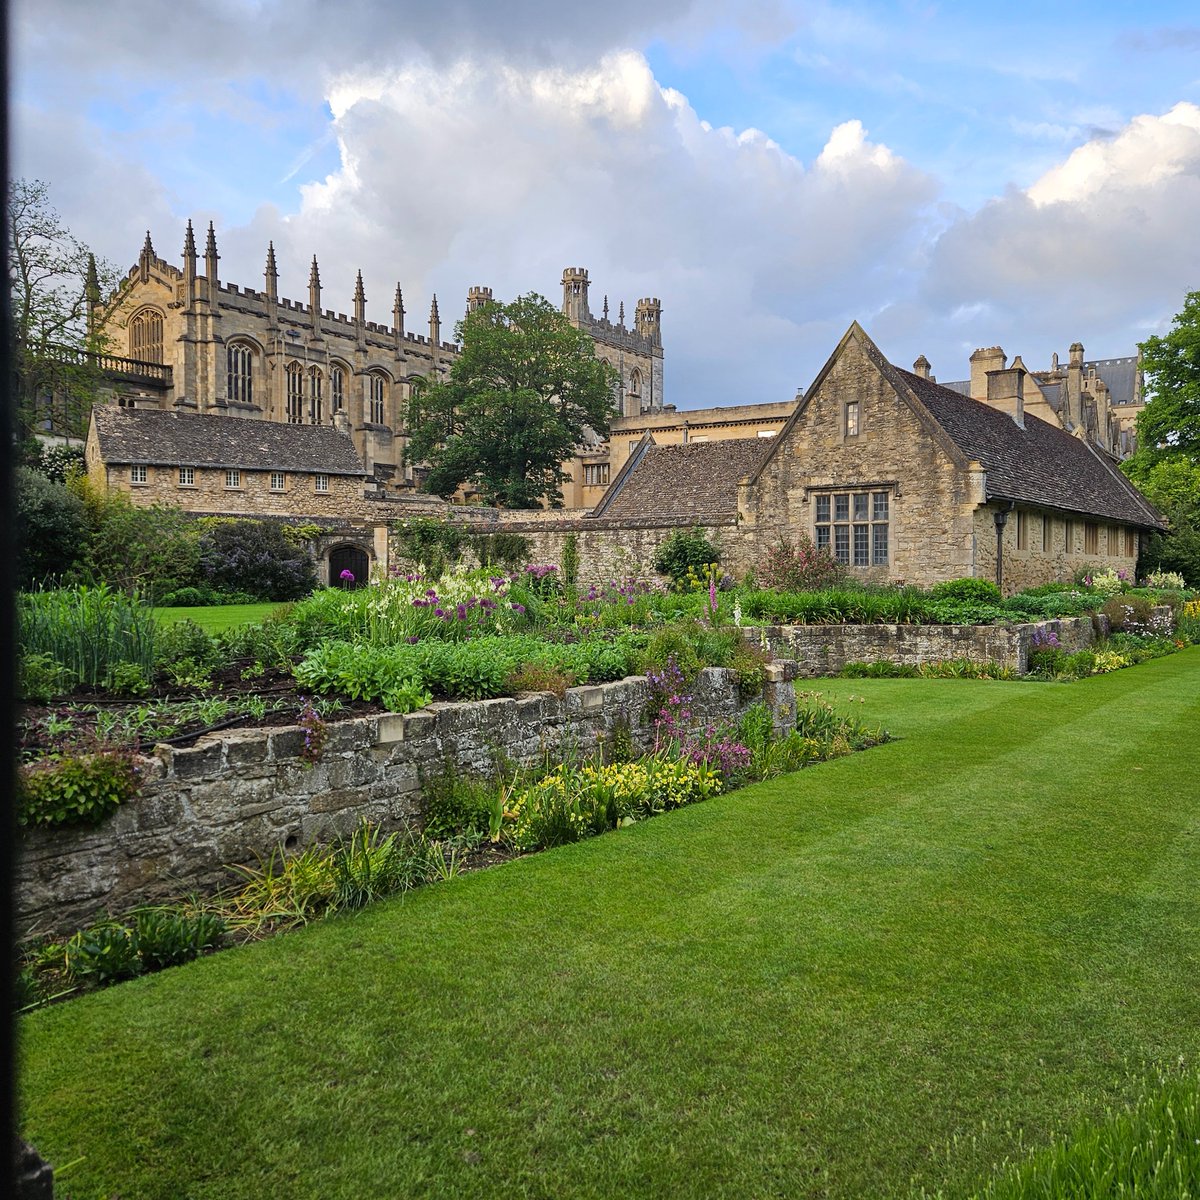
x: 182, y: 340
x: 223, y: 466
x: 904, y: 478
x: 1097, y: 400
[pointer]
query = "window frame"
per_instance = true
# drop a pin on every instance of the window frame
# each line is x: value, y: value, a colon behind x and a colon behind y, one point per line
x: 239, y: 373
x: 321, y: 483
x: 190, y: 480
x: 854, y: 525
x: 139, y: 474
x: 281, y: 486
x: 233, y: 479
x: 852, y: 419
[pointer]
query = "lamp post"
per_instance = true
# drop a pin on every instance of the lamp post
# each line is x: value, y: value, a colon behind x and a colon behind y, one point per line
x: 1000, y: 516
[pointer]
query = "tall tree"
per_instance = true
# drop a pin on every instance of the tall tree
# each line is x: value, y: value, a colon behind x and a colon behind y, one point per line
x: 1170, y: 422
x: 517, y: 402
x: 1167, y: 463
x: 52, y: 275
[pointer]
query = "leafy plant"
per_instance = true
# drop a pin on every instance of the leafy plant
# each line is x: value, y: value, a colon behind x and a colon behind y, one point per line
x: 42, y: 677
x: 76, y: 789
x: 798, y: 566
x: 87, y: 630
x: 971, y: 591
x: 683, y: 549
x: 127, y: 679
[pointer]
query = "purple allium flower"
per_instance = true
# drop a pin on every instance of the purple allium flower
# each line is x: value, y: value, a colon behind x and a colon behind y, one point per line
x: 347, y: 575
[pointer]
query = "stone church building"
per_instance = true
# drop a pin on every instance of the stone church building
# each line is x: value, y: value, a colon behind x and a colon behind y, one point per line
x: 182, y: 340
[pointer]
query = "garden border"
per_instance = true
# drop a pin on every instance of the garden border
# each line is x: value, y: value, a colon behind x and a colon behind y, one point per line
x: 234, y: 797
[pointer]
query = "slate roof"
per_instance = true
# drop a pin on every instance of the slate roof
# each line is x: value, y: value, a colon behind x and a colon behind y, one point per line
x: 683, y: 485
x: 1039, y: 464
x: 1120, y: 374
x: 161, y: 438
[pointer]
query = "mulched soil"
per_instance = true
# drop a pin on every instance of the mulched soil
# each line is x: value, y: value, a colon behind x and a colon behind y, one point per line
x: 84, y: 705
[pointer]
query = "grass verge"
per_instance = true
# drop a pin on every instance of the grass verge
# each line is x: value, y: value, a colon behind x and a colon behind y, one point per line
x: 886, y: 973
x: 217, y: 617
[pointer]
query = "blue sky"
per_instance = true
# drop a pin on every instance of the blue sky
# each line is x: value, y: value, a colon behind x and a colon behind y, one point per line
x: 951, y: 175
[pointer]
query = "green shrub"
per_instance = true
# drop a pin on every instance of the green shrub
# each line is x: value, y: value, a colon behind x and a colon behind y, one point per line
x: 42, y: 677
x: 255, y: 558
x: 158, y: 937
x: 51, y: 527
x: 1127, y: 612
x: 185, y: 640
x: 570, y: 561
x: 88, y: 630
x: 457, y: 803
x: 950, y: 611
x: 127, y: 679
x: 878, y: 669
x: 76, y: 789
x: 977, y: 591
x: 539, y: 677
x: 683, y: 549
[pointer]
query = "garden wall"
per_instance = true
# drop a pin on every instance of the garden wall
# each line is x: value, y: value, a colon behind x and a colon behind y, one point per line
x: 826, y: 649
x: 235, y: 797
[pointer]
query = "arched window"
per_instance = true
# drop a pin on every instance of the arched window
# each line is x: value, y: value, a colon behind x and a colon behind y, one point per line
x: 295, y: 394
x: 378, y: 384
x: 635, y: 382
x: 337, y: 389
x: 239, y: 360
x: 146, y: 336
x: 315, y: 414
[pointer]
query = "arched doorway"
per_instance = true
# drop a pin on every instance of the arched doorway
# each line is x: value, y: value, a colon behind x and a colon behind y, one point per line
x: 349, y: 567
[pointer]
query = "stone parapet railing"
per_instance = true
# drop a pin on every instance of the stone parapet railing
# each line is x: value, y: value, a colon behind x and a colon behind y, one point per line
x: 235, y: 797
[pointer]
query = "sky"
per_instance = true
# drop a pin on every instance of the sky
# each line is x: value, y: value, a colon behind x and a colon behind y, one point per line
x: 950, y: 175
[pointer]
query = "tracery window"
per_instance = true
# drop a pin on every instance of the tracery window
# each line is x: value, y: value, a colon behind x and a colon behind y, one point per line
x: 239, y: 375
x: 337, y: 389
x: 295, y: 394
x: 146, y: 336
x: 315, y: 414
x: 376, y: 399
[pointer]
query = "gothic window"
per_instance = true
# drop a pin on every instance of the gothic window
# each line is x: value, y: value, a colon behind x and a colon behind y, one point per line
x: 377, y: 383
x: 146, y: 336
x: 852, y: 418
x: 337, y: 389
x: 295, y: 394
x: 315, y: 414
x: 239, y: 360
x: 853, y: 526
x: 635, y: 382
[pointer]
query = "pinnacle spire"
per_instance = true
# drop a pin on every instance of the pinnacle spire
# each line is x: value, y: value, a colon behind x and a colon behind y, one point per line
x: 621, y: 314
x: 398, y: 304
x: 360, y: 299
x: 433, y: 310
x: 210, y: 246
x: 314, y: 276
x: 148, y: 247
x: 189, y: 242
x: 92, y: 286
x: 271, y: 274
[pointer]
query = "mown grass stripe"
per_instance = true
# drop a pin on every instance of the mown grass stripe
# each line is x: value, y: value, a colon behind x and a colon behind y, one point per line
x: 844, y: 983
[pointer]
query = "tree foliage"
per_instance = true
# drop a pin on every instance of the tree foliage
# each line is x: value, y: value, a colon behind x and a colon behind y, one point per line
x: 515, y: 405
x: 51, y: 528
x: 1167, y: 464
x: 48, y: 270
x: 1170, y: 422
x: 255, y: 557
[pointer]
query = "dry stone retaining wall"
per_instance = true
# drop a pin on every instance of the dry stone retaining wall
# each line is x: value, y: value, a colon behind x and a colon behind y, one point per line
x: 826, y: 649
x: 236, y: 796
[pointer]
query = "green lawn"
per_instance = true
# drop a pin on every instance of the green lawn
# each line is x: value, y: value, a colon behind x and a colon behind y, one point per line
x: 867, y: 978
x: 217, y: 617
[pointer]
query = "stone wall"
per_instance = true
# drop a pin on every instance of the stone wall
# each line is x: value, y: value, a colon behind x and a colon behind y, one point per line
x: 826, y: 649
x: 235, y: 797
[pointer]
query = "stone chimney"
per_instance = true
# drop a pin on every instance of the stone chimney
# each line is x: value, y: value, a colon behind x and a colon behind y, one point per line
x: 921, y: 367
x: 1006, y: 391
x: 341, y: 422
x: 983, y: 362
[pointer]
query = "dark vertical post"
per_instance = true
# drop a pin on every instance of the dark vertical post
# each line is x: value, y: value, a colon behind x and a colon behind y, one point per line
x: 1000, y: 516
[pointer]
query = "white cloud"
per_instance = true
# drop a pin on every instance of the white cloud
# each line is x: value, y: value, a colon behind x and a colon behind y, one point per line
x: 497, y: 175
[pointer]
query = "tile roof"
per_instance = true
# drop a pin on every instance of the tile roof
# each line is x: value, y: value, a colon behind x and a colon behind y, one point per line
x: 684, y: 484
x: 1039, y: 464
x: 161, y: 438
